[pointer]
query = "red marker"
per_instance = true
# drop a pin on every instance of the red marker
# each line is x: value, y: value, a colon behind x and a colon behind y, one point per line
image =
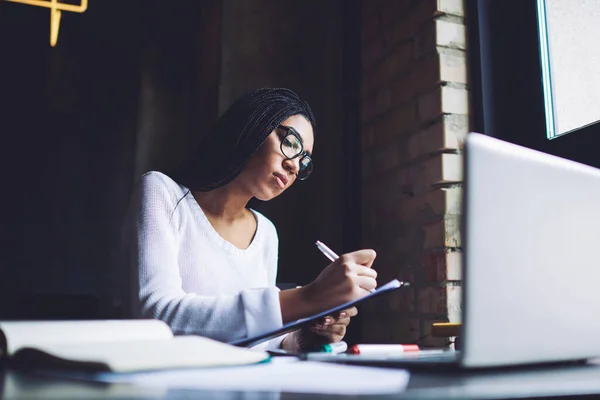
x: 383, y: 349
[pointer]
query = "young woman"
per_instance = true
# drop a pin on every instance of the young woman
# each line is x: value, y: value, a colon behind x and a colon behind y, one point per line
x: 206, y: 264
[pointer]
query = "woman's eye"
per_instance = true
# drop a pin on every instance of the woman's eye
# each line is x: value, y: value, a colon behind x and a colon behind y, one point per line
x: 287, y: 142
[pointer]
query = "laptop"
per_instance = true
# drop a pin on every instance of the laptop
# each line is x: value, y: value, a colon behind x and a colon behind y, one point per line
x: 531, y: 273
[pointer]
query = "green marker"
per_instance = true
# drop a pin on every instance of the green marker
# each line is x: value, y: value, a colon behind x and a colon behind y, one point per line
x: 335, y: 348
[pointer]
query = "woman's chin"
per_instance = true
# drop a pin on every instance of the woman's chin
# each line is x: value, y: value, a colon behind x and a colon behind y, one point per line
x: 268, y: 194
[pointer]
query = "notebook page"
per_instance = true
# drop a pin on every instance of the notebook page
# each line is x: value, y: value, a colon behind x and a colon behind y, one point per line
x: 146, y: 355
x: 37, y: 333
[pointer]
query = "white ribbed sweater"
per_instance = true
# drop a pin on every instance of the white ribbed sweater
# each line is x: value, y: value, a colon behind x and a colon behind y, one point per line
x: 193, y: 279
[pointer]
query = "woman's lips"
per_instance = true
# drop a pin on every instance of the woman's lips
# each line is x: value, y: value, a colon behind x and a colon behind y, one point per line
x: 281, y: 179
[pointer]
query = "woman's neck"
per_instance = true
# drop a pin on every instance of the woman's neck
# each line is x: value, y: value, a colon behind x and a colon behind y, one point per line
x: 224, y: 203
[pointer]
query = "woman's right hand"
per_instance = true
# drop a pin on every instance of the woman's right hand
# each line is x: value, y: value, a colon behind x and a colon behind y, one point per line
x: 347, y: 278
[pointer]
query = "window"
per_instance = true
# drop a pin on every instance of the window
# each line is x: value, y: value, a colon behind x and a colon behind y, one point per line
x: 570, y: 61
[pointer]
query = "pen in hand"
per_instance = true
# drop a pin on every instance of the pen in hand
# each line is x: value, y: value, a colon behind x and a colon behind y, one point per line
x: 330, y: 254
x: 327, y: 252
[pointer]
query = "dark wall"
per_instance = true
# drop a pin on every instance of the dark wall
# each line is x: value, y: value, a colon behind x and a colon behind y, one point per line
x: 76, y: 121
x: 69, y: 115
x: 179, y: 80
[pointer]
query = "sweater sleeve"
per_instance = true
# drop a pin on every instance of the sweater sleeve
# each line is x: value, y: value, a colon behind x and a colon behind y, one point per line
x: 161, y: 294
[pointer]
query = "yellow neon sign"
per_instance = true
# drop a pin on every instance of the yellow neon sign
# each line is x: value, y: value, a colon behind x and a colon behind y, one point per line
x: 55, y: 13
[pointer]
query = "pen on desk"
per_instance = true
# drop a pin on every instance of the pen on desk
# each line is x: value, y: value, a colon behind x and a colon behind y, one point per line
x: 330, y: 254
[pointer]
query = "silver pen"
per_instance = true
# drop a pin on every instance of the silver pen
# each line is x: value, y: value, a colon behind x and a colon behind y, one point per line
x: 327, y: 252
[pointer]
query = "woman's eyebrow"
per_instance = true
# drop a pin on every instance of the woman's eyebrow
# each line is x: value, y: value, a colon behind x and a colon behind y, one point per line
x: 293, y: 129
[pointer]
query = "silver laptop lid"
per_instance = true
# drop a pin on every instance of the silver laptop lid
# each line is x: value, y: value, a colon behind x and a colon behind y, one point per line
x: 532, y: 239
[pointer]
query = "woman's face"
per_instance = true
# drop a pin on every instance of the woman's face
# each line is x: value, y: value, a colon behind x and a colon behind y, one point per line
x: 269, y: 173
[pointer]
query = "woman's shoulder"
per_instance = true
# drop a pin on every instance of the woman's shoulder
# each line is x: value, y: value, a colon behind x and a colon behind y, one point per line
x: 156, y: 177
x: 156, y: 181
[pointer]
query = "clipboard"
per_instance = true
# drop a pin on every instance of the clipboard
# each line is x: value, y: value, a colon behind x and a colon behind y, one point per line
x: 292, y: 326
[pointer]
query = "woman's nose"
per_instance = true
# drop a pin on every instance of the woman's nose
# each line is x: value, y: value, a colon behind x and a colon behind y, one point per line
x: 292, y: 165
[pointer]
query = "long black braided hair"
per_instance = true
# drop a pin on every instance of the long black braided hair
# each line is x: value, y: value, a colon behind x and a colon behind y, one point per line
x: 237, y: 135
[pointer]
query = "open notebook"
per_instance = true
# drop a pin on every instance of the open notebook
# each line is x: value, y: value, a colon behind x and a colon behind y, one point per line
x: 113, y: 345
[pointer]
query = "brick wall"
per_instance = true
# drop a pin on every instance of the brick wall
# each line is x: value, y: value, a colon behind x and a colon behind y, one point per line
x: 415, y: 116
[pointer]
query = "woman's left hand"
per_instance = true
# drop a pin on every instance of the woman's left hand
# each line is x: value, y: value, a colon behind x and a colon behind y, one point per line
x: 329, y: 329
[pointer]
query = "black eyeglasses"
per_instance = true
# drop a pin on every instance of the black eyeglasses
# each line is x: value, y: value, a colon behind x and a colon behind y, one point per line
x: 292, y: 147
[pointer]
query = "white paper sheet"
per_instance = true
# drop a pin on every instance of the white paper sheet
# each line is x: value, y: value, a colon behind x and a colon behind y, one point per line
x: 284, y: 374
